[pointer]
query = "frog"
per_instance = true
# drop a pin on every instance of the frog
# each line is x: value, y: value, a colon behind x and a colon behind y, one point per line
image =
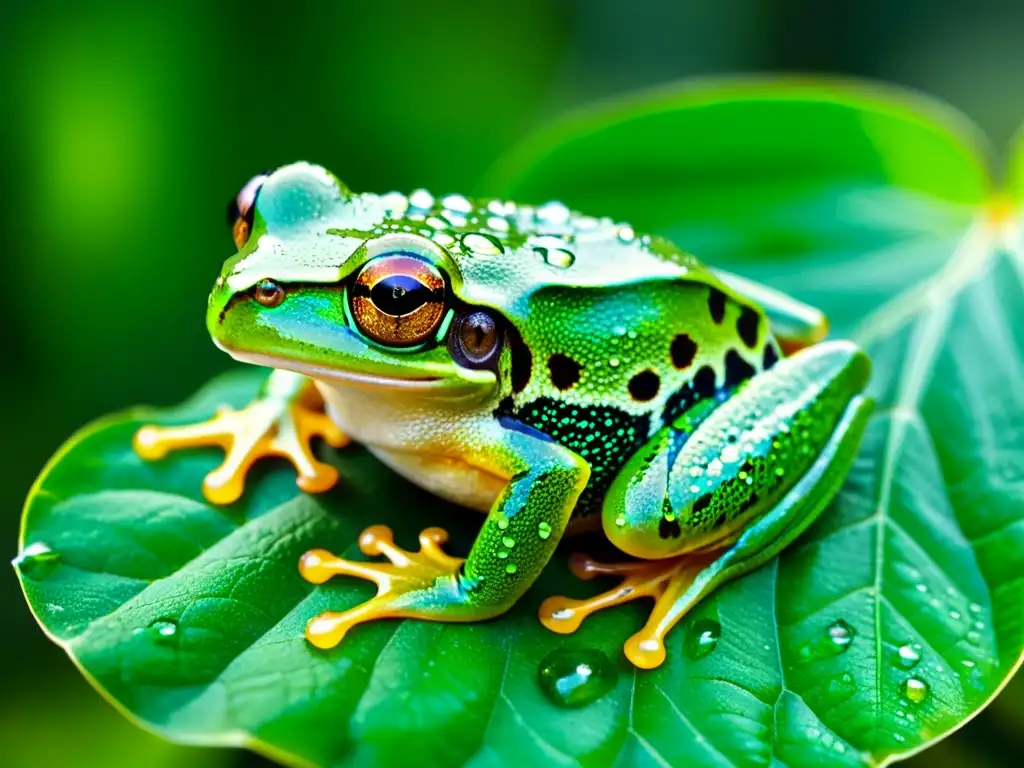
x: 559, y: 372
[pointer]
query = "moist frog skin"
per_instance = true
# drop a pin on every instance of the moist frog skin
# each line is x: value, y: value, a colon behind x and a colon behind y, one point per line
x: 556, y: 371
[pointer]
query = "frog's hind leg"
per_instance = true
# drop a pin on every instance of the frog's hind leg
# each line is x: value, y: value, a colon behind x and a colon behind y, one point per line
x: 751, y: 477
x: 282, y: 421
x: 794, y: 324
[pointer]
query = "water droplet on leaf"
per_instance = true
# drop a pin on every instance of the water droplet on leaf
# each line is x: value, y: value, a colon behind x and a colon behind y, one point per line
x: 701, y: 638
x: 37, y: 561
x: 841, y: 634
x: 915, y: 690
x: 162, y: 632
x: 840, y: 688
x: 909, y: 656
x: 575, y: 677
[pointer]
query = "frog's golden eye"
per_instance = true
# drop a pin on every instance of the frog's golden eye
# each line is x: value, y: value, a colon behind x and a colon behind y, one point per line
x: 242, y: 209
x: 398, y: 300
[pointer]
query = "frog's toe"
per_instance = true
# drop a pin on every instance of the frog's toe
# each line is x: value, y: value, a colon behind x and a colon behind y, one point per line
x: 662, y: 580
x: 402, y: 582
x: 273, y: 426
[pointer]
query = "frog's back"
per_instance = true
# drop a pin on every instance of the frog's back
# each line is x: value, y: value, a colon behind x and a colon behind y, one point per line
x: 614, y: 333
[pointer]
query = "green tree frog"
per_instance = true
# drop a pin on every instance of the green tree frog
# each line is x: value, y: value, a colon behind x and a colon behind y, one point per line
x: 557, y: 371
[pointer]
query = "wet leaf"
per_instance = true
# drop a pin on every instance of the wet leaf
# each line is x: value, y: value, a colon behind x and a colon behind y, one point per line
x: 894, y: 619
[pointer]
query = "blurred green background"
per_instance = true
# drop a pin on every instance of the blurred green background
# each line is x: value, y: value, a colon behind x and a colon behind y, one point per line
x: 126, y: 127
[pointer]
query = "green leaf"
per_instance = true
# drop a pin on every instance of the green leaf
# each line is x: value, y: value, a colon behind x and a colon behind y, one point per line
x: 873, y: 205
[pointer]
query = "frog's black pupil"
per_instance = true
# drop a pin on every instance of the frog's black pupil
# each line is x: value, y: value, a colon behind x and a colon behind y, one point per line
x: 399, y: 295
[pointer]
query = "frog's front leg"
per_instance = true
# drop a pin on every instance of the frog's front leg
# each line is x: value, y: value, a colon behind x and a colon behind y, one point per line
x: 517, y: 539
x: 283, y: 420
x: 713, y: 497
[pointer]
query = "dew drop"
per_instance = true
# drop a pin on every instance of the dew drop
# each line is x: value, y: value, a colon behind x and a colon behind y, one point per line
x: 483, y: 245
x: 955, y: 615
x: 701, y: 638
x: 620, y: 521
x: 921, y: 587
x: 163, y: 632
x: 502, y: 524
x: 508, y: 541
x: 37, y: 561
x: 575, y: 677
x: 840, y: 688
x: 841, y: 634
x: 511, y: 568
x: 421, y: 199
x: 543, y: 530
x: 915, y: 690
x: 909, y: 656
x: 974, y: 638
x: 557, y: 257
x: 626, y: 234
x: 457, y: 203
x: 974, y: 608
x: 553, y: 213
x: 898, y: 738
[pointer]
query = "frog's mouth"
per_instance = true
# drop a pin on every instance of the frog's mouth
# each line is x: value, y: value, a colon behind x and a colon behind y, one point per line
x: 452, y: 385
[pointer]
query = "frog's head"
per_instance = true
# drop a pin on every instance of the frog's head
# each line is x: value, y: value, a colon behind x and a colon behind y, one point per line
x: 323, y: 286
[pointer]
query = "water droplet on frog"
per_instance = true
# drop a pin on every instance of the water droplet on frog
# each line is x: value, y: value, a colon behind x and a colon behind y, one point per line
x: 899, y: 739
x: 921, y: 588
x: 701, y: 638
x: 511, y: 568
x: 841, y: 634
x: 553, y: 213
x: 915, y: 690
x: 839, y: 688
x: 543, y: 530
x: 163, y: 632
x: 974, y: 638
x: 421, y: 199
x: 575, y: 677
x: 457, y: 203
x: 614, y: 362
x: 502, y: 525
x: 626, y: 234
x: 974, y: 608
x: 508, y: 541
x: 909, y: 656
x: 482, y: 245
x: 37, y: 561
x: 955, y: 615
x: 620, y: 521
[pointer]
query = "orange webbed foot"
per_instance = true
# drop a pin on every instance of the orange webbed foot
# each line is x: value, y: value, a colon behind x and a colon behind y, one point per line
x: 662, y: 580
x: 272, y: 425
x: 404, y: 574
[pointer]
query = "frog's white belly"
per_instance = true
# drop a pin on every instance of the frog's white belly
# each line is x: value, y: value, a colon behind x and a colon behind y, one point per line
x: 443, y: 450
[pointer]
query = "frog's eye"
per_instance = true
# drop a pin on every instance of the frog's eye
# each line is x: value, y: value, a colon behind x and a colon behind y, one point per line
x: 242, y: 209
x: 398, y: 300
x: 475, y: 339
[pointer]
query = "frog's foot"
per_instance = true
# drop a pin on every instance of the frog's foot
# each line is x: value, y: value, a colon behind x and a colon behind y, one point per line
x: 662, y: 580
x: 402, y: 583
x: 269, y: 426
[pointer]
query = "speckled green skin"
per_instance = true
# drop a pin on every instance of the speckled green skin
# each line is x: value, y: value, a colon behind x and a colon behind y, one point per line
x: 634, y: 386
